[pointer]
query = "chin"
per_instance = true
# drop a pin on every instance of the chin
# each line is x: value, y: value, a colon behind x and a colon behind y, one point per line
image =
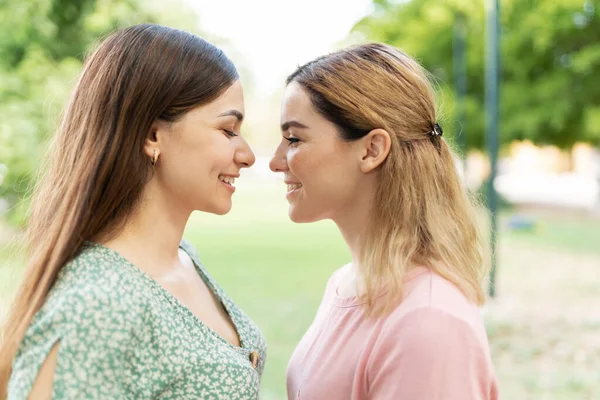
x: 219, y: 209
x: 300, y: 217
x: 223, y: 210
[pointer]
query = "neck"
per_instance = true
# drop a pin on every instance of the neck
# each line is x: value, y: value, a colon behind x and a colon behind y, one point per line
x: 353, y: 222
x: 151, y: 236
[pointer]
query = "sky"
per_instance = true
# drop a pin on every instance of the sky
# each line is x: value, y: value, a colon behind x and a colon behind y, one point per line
x: 267, y: 40
x: 273, y: 37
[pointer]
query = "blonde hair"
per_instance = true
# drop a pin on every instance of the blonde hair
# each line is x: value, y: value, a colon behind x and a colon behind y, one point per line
x: 422, y: 214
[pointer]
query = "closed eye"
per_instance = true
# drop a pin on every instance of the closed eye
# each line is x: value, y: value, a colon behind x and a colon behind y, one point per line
x: 292, y: 140
x: 230, y: 133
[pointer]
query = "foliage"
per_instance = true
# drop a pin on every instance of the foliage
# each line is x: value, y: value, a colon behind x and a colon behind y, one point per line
x: 42, y: 46
x: 549, y: 52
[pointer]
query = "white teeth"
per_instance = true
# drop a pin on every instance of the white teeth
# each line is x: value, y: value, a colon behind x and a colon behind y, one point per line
x: 227, y: 179
x: 293, y: 186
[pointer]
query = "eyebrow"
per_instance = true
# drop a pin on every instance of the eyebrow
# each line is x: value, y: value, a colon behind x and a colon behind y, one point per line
x: 285, y: 126
x: 234, y: 113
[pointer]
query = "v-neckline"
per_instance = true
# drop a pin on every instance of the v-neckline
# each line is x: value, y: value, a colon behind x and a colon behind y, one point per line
x: 182, y: 307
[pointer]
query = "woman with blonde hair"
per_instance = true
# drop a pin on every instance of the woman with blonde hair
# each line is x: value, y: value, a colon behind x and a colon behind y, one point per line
x: 362, y: 146
x: 114, y: 304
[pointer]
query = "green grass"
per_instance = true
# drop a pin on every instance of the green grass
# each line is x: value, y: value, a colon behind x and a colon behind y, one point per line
x: 11, y: 262
x: 276, y: 271
x: 570, y: 232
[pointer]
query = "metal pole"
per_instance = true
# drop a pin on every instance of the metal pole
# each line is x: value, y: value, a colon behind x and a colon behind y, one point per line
x: 459, y: 70
x: 492, y: 95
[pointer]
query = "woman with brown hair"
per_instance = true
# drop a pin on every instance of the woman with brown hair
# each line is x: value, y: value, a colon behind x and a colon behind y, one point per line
x: 361, y: 146
x: 113, y: 303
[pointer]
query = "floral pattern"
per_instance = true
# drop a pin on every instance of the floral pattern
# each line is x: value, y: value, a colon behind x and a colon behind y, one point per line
x: 123, y: 336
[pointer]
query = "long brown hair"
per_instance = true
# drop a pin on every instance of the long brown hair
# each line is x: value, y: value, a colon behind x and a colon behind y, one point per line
x: 96, y: 168
x: 422, y: 214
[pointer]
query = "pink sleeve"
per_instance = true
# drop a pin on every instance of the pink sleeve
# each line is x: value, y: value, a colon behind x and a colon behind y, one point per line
x: 429, y: 354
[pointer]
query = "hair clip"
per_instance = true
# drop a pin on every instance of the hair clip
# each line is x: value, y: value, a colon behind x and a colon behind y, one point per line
x: 437, y: 130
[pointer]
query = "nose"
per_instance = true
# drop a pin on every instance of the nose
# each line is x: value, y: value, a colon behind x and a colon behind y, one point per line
x: 244, y: 156
x: 279, y: 161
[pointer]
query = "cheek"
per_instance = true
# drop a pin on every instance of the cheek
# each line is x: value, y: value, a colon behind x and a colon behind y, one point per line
x: 298, y: 162
x: 221, y: 153
x: 198, y: 161
x: 324, y: 174
x: 308, y: 162
x: 211, y: 156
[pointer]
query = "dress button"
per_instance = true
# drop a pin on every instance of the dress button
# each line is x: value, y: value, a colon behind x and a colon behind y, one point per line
x: 254, y: 359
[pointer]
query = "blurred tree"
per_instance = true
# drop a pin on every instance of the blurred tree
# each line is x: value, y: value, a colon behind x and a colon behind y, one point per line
x: 549, y: 53
x: 42, y: 45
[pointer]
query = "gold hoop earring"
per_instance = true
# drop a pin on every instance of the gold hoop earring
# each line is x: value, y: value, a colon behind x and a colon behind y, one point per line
x: 154, y: 158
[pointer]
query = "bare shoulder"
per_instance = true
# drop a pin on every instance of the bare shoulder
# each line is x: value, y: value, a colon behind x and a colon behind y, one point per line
x: 42, y: 386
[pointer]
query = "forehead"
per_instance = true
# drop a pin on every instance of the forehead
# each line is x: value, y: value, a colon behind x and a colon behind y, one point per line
x: 296, y: 104
x: 231, y: 99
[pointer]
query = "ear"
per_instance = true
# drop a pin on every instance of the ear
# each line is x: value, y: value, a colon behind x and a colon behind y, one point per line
x: 375, y: 147
x: 155, y: 138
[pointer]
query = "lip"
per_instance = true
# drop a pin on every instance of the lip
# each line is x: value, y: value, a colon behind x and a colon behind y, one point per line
x: 229, y: 187
x: 292, y: 193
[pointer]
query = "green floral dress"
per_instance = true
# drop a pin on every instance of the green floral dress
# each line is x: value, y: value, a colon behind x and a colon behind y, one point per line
x: 123, y: 336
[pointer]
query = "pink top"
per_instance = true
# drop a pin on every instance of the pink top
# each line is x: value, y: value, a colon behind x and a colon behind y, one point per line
x: 433, y: 346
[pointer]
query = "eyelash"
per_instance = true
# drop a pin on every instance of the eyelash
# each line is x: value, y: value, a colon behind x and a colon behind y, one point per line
x: 292, y: 140
x: 230, y: 133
